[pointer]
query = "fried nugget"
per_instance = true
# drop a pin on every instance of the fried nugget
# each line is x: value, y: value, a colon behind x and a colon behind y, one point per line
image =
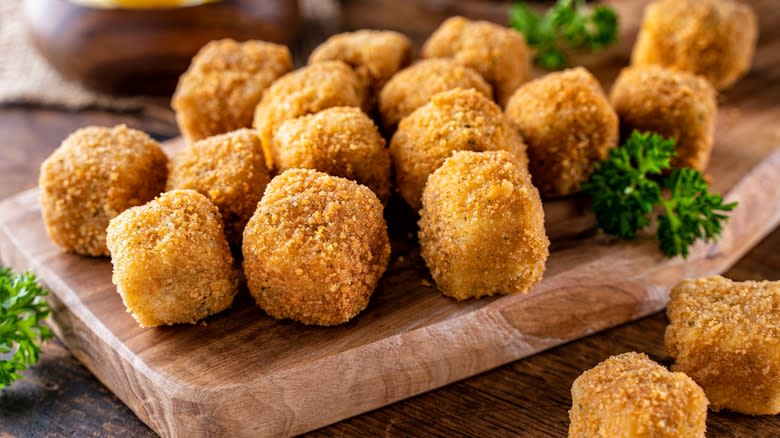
x: 568, y: 125
x: 482, y: 226
x: 375, y: 55
x: 631, y: 396
x: 414, y: 86
x: 171, y: 261
x: 674, y: 104
x: 307, y: 90
x: 94, y: 175
x: 315, y: 248
x: 498, y: 53
x: 726, y: 336
x: 712, y: 38
x: 230, y: 170
x: 341, y: 141
x: 224, y: 83
x: 452, y: 121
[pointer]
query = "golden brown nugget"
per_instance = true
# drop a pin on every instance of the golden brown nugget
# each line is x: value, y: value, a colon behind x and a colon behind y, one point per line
x: 482, y: 226
x: 674, y: 104
x: 94, y: 175
x: 568, y: 125
x: 713, y: 38
x: 307, y: 90
x: 498, y: 53
x: 375, y: 55
x: 341, y: 141
x: 630, y: 396
x: 315, y: 248
x: 726, y: 336
x: 453, y: 120
x: 230, y: 170
x: 224, y: 83
x: 414, y: 86
x: 172, y: 264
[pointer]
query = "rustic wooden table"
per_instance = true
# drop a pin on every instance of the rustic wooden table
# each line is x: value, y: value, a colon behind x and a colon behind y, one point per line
x: 529, y: 397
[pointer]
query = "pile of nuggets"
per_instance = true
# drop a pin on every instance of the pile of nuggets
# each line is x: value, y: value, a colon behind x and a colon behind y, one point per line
x: 290, y: 172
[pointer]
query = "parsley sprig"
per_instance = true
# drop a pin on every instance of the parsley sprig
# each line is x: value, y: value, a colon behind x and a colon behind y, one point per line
x: 629, y: 187
x: 567, y: 25
x: 22, y: 311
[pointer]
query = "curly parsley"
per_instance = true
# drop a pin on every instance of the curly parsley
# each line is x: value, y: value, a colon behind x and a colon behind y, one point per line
x: 628, y: 188
x: 22, y: 311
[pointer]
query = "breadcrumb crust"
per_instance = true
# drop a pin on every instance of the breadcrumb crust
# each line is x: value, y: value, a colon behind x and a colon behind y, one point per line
x: 726, y: 336
x: 171, y: 261
x: 224, y: 83
x: 482, y: 226
x: 568, y: 125
x: 713, y: 38
x: 674, y: 104
x: 340, y: 141
x: 414, y: 86
x: 629, y: 395
x: 315, y: 248
x: 453, y: 120
x: 498, y: 53
x: 95, y: 174
x: 230, y: 170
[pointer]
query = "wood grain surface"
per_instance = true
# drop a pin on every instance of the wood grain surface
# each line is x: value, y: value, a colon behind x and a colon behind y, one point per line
x: 529, y: 397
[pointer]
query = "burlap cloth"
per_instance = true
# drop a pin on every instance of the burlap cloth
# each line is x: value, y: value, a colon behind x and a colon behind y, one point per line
x: 26, y: 78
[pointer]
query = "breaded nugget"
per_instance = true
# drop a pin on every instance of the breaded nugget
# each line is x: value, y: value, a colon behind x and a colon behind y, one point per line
x: 225, y: 81
x: 713, y: 38
x: 498, y: 53
x: 414, y: 86
x: 307, y: 90
x: 171, y: 261
x: 482, y: 226
x: 674, y: 104
x: 94, y: 175
x: 726, y: 336
x: 375, y: 55
x: 341, y: 141
x: 452, y: 121
x: 630, y: 396
x: 230, y: 170
x: 568, y: 125
x: 315, y: 248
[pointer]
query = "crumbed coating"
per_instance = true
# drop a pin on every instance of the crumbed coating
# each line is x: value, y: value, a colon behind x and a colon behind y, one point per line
x: 713, y: 38
x: 414, y: 86
x: 498, y: 53
x: 726, y: 336
x: 315, y: 248
x: 630, y: 396
x: 568, y: 125
x: 171, y: 261
x: 452, y: 121
x: 341, y: 141
x: 482, y: 226
x: 307, y: 90
x: 672, y: 103
x: 230, y: 170
x: 94, y: 175
x: 224, y: 83
x: 375, y: 55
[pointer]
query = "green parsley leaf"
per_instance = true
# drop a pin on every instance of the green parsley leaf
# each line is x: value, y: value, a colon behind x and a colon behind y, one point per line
x: 567, y: 25
x: 22, y: 311
x: 628, y: 187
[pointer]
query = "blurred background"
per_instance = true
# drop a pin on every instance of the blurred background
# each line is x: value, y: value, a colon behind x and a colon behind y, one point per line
x: 120, y: 54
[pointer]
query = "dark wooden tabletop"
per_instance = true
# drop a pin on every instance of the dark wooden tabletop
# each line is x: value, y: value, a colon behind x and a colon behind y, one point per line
x: 530, y: 397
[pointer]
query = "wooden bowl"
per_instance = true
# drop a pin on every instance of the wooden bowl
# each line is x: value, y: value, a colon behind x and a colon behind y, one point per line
x: 143, y: 51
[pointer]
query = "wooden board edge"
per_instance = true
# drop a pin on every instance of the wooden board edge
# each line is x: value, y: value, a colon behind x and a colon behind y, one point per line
x: 282, y: 400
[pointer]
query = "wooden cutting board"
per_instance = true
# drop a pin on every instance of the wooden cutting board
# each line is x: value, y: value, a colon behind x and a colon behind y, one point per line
x: 244, y: 374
